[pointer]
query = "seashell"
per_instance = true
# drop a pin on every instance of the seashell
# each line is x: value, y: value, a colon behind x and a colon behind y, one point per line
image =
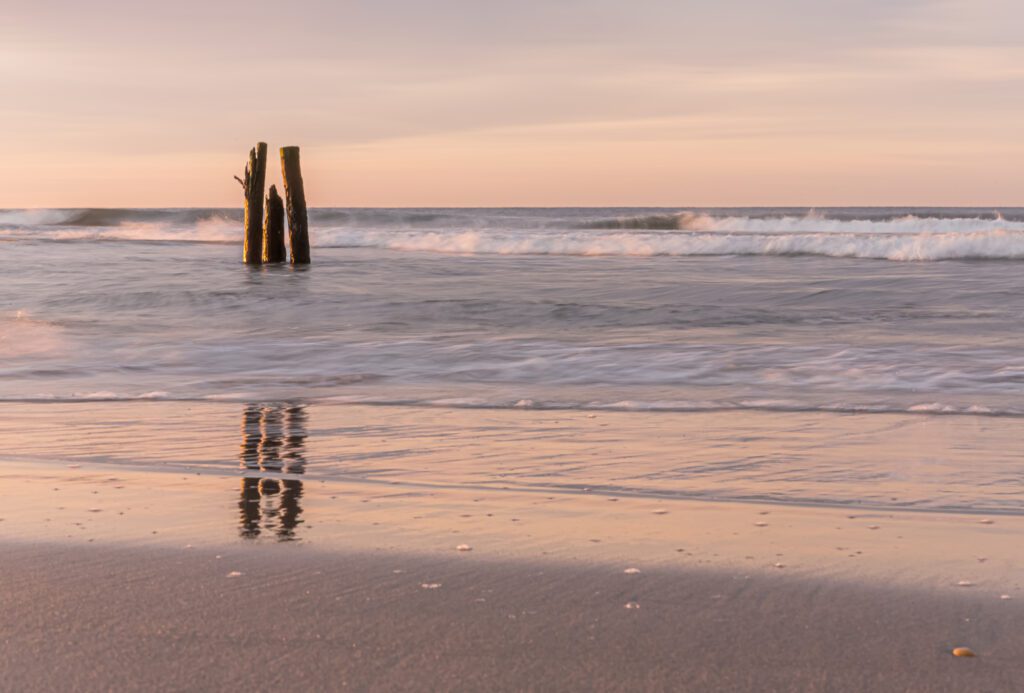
x: 963, y: 652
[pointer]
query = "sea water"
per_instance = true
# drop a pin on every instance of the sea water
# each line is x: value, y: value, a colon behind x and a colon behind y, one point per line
x: 866, y: 312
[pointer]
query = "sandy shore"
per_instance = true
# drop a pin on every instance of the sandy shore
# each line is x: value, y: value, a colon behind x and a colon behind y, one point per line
x: 92, y: 618
x: 192, y: 569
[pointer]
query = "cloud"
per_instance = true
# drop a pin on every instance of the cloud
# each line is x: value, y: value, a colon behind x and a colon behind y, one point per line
x: 114, y: 81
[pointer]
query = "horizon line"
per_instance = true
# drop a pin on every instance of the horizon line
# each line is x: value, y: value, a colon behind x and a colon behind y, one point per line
x: 993, y: 207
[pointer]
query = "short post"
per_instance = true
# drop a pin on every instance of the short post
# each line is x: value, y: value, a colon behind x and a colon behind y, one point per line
x: 273, y: 228
x: 255, y: 177
x: 295, y: 198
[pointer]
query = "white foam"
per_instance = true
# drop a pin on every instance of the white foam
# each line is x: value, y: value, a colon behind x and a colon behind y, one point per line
x: 905, y: 238
x: 998, y: 243
x: 210, y: 230
x: 818, y: 223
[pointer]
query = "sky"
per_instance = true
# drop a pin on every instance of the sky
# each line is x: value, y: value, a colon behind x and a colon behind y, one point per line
x: 529, y: 103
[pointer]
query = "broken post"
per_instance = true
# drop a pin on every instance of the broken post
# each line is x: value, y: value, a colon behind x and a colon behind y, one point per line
x: 255, y: 177
x: 273, y: 228
x: 295, y: 198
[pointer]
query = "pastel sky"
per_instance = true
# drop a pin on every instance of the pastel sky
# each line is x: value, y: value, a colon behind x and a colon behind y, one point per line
x: 534, y: 102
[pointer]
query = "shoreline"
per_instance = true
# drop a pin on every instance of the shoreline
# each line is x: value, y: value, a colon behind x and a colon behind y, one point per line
x: 85, y: 503
x: 166, y: 547
x: 941, y: 464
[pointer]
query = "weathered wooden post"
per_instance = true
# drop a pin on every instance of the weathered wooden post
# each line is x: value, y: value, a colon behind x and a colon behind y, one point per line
x: 273, y: 228
x: 295, y: 198
x: 255, y: 177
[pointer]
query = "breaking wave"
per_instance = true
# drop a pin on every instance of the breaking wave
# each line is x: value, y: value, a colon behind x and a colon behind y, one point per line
x: 812, y: 222
x: 171, y: 218
x: 938, y: 234
x: 1000, y: 243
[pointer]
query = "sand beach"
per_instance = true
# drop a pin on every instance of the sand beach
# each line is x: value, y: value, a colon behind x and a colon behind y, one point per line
x: 172, y: 554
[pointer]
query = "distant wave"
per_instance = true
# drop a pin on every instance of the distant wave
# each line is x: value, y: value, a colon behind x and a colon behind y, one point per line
x: 651, y: 222
x: 725, y: 219
x: 811, y: 222
x: 995, y: 244
x: 177, y: 217
x: 93, y: 217
x: 942, y: 235
x: 1000, y: 243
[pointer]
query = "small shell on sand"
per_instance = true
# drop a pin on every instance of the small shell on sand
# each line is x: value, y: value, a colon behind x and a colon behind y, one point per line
x: 463, y: 547
x: 986, y: 521
x: 430, y: 585
x: 631, y: 571
x: 963, y: 652
x: 760, y: 524
x: 660, y: 512
x: 234, y: 574
x: 965, y: 583
x: 632, y: 605
x: 1005, y: 596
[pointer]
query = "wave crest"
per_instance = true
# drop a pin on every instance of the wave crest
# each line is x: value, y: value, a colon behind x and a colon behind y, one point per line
x: 994, y: 244
x: 871, y: 234
x: 810, y: 222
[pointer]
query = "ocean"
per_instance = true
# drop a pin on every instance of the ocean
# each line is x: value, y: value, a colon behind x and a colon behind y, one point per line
x: 797, y: 312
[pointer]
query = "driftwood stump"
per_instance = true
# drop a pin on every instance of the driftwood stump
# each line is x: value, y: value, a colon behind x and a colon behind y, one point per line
x: 295, y: 198
x: 255, y: 177
x: 273, y: 228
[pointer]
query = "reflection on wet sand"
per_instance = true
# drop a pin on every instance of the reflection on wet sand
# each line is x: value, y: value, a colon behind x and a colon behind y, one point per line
x: 273, y: 442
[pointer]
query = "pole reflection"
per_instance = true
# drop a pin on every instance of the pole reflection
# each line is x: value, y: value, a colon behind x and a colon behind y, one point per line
x: 273, y: 442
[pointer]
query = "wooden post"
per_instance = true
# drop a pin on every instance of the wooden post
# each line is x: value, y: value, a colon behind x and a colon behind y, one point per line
x: 295, y: 198
x: 255, y: 177
x: 273, y: 228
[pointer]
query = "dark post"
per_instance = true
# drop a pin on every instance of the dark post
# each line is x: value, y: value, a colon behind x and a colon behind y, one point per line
x: 295, y: 198
x: 255, y: 177
x: 273, y: 228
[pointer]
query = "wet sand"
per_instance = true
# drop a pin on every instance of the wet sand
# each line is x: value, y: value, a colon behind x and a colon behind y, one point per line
x: 172, y: 546
x: 106, y: 618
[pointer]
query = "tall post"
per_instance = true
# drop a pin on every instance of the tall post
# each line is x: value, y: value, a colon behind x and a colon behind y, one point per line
x: 255, y: 177
x: 295, y: 199
x: 273, y: 228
